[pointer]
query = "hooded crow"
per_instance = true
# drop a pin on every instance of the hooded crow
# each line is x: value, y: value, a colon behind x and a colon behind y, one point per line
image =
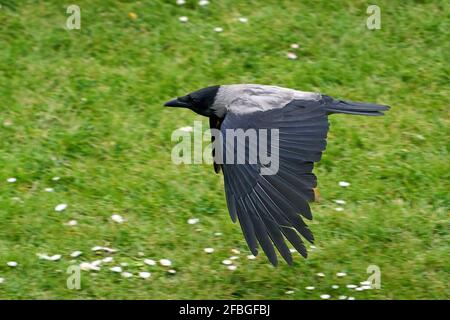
x: 270, y: 207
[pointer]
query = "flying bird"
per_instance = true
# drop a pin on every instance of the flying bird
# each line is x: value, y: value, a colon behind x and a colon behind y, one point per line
x: 270, y: 207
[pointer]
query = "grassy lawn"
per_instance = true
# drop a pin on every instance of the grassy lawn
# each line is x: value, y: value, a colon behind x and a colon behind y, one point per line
x: 86, y: 106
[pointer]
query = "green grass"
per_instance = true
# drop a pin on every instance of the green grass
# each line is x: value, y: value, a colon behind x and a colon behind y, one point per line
x: 86, y: 105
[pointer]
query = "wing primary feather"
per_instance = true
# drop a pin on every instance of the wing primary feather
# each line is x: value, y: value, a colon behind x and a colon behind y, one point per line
x: 295, y: 240
x: 261, y: 232
x: 231, y: 201
x: 287, y: 215
x: 297, y: 199
x: 285, y: 226
x: 273, y: 228
x: 247, y: 227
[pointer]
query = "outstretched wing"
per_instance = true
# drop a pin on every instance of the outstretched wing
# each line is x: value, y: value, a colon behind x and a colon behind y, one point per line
x: 268, y: 206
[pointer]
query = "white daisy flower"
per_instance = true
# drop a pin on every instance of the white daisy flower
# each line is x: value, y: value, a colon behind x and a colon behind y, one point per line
x: 365, y: 283
x: 165, y: 262
x: 243, y: 19
x: 367, y: 287
x: 183, y: 19
x: 56, y: 178
x: 54, y: 257
x: 87, y: 266
x: 351, y: 298
x: 325, y: 296
x: 218, y: 29
x: 351, y: 286
x: 107, y: 259
x: 76, y: 254
x: 320, y: 274
x: 233, y: 257
x: 339, y: 201
x: 203, y: 3
x: 49, y: 189
x: 2, y: 280
x: 99, y: 248
x: 344, y: 184
x: 227, y: 262
x: 292, y: 56
x: 341, y: 274
x: 235, y: 251
x: 126, y: 274
x: 193, y: 221
x: 310, y: 288
x: 12, y: 264
x: 292, y: 250
x: 218, y: 234
x: 295, y: 46
x: 150, y: 262
x: 116, y: 269
x: 231, y: 267
x: 335, y: 286
x: 251, y: 257
x: 144, y: 275
x: 11, y: 180
x: 61, y: 207
x: 72, y: 223
x: 339, y: 209
x: 181, y: 2
x: 342, y: 297
x: 290, y: 292
x: 172, y: 271
x: 117, y: 218
x: 209, y: 250
x: 96, y: 263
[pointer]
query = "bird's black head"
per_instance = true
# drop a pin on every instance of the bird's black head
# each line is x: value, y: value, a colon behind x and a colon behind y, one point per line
x: 200, y: 101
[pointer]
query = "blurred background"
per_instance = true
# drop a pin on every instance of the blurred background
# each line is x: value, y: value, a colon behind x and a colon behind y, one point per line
x: 85, y: 148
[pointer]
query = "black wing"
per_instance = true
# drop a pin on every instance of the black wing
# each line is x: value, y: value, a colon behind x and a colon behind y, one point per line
x: 268, y: 206
x: 215, y: 123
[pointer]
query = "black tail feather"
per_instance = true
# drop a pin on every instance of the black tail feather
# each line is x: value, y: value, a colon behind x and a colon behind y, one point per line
x: 358, y: 108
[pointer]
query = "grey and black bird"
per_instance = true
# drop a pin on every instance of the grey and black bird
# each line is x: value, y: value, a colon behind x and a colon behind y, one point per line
x: 270, y: 207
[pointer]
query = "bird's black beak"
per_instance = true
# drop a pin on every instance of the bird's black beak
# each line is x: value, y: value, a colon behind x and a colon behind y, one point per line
x: 177, y: 104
